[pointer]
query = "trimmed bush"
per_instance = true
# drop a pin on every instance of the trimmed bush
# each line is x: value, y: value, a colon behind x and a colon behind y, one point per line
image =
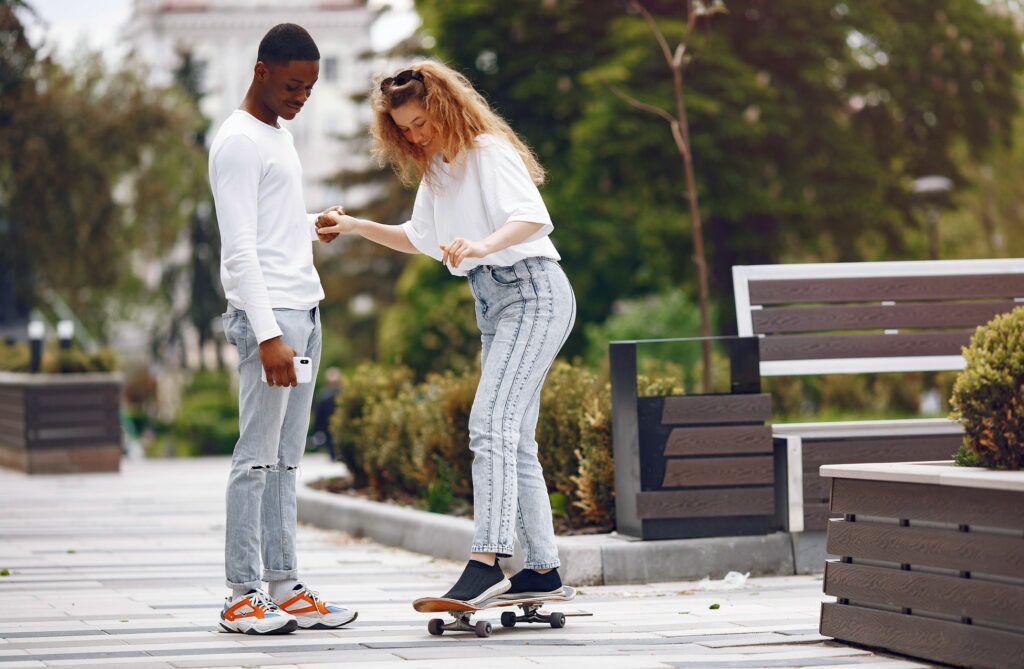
x: 988, y: 396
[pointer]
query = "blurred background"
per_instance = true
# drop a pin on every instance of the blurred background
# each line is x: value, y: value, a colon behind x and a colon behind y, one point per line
x: 820, y: 131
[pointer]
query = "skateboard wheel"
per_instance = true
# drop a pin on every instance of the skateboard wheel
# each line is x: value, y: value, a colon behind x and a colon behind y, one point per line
x: 483, y: 629
x: 435, y: 627
x: 557, y: 620
x: 508, y: 619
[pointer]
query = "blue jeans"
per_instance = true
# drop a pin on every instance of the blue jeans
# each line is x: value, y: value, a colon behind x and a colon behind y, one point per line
x: 525, y: 313
x: 273, y: 422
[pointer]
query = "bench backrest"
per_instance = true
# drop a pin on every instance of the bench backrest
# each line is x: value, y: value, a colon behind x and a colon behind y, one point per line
x: 849, y: 318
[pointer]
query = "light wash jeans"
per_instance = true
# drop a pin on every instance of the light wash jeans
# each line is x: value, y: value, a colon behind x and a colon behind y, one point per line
x: 525, y: 313
x: 273, y: 422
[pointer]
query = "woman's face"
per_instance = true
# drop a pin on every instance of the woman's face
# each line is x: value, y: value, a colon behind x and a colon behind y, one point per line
x: 414, y: 122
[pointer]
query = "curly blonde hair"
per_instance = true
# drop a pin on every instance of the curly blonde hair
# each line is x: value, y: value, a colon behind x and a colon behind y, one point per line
x: 456, y: 110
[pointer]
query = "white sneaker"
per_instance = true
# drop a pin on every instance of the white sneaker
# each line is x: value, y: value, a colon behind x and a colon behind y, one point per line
x: 314, y: 613
x: 256, y: 613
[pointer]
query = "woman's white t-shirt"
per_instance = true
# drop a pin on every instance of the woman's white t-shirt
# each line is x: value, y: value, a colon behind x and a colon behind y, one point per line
x: 474, y: 196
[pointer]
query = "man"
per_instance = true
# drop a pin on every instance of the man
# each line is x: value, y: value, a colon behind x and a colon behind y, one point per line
x: 273, y: 292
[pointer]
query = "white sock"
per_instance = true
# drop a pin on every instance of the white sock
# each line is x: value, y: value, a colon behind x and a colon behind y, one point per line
x: 239, y: 592
x: 280, y: 590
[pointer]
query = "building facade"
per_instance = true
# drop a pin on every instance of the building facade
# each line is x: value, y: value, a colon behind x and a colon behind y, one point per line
x: 223, y: 36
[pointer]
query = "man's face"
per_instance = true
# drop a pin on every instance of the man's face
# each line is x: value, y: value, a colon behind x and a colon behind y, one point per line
x: 285, y: 87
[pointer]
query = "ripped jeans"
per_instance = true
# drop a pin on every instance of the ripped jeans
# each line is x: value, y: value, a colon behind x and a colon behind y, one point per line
x: 273, y: 422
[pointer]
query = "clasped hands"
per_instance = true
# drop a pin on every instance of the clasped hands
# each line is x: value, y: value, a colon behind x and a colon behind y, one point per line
x: 334, y: 221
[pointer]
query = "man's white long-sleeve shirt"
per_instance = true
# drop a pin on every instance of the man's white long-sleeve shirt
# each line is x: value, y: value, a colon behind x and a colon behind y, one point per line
x: 266, y: 234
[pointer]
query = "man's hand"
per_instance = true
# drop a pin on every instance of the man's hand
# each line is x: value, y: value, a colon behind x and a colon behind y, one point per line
x: 459, y: 249
x: 277, y: 359
x: 322, y: 221
x: 337, y: 223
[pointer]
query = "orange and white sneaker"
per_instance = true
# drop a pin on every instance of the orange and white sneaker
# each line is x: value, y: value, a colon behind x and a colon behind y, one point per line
x: 256, y: 613
x: 313, y: 612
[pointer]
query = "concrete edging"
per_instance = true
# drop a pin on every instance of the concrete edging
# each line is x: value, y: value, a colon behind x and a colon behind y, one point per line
x: 595, y: 559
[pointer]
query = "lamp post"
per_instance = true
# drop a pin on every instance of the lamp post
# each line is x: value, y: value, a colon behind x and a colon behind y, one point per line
x: 65, y: 334
x: 931, y: 187
x: 36, y: 332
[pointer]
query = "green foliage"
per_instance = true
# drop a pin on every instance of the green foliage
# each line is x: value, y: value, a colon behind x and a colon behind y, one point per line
x: 207, y: 421
x: 69, y: 138
x: 808, y: 121
x: 988, y: 397
x: 670, y: 314
x: 366, y: 387
x: 431, y: 326
x: 17, y: 358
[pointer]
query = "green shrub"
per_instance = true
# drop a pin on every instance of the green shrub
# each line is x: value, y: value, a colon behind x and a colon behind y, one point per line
x: 988, y: 396
x: 207, y: 420
x: 365, y: 387
x: 17, y: 358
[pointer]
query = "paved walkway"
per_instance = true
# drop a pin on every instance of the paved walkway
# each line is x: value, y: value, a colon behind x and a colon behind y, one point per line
x: 126, y: 571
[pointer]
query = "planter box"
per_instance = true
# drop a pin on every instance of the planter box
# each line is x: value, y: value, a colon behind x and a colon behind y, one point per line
x: 932, y: 561
x: 60, y: 423
x: 695, y: 465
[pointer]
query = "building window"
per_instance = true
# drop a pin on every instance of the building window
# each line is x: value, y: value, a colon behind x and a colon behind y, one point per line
x: 330, y: 68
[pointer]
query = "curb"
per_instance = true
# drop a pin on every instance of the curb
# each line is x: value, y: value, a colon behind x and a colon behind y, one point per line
x: 595, y: 559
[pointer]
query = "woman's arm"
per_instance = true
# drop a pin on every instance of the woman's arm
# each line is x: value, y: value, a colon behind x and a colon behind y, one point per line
x: 392, y: 236
x: 507, y: 235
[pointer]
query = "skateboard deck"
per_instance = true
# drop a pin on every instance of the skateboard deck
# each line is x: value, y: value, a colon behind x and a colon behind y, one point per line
x: 462, y: 612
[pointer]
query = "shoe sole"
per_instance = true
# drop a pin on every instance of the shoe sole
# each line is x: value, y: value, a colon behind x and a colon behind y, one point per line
x: 531, y: 595
x: 287, y: 628
x: 322, y: 626
x: 491, y: 593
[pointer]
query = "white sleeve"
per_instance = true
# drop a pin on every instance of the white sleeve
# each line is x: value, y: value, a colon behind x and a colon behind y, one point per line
x: 235, y: 173
x: 420, y: 229
x: 509, y: 193
x: 311, y: 220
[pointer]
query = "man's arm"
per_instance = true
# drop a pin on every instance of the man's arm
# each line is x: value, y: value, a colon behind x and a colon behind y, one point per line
x: 235, y: 181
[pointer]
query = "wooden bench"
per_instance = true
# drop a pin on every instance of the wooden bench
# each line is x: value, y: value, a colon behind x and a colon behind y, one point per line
x: 852, y: 318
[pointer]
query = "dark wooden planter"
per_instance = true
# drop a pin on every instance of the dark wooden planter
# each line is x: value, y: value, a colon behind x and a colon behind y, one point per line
x: 60, y: 423
x: 695, y: 465
x: 932, y: 562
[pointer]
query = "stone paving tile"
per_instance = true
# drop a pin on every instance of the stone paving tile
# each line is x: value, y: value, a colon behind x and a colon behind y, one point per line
x: 133, y: 577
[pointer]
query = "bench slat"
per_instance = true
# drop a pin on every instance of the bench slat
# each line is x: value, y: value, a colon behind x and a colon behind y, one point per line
x: 815, y: 347
x: 872, y: 289
x: 877, y: 317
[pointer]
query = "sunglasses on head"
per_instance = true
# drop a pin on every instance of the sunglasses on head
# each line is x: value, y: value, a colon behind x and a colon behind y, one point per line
x: 401, y: 79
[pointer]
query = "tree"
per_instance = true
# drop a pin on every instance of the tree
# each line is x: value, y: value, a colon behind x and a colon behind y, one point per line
x: 677, y: 60
x: 94, y: 177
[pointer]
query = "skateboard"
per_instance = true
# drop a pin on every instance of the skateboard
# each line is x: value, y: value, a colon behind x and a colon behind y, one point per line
x: 463, y: 612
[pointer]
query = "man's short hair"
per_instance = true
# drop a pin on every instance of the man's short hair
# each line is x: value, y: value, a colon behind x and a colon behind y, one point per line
x: 285, y: 42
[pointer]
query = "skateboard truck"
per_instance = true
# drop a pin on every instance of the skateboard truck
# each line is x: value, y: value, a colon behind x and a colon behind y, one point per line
x: 463, y: 620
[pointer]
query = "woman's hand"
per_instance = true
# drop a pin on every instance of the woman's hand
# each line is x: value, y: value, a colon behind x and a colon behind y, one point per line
x: 459, y: 249
x: 335, y: 223
x: 323, y: 221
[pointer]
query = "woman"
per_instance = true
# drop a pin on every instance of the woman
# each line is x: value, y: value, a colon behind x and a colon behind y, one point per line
x: 479, y: 212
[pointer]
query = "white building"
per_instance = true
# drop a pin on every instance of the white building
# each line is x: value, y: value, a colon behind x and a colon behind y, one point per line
x: 223, y: 35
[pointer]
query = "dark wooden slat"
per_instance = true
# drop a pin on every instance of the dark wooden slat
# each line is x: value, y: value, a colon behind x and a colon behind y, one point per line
x: 935, y: 640
x: 935, y: 593
x: 877, y: 289
x: 817, y: 347
x: 816, y: 515
x: 709, y: 409
x: 877, y: 449
x: 719, y: 440
x: 876, y: 317
x: 72, y: 417
x: 964, y: 551
x: 719, y: 471
x: 920, y: 501
x: 706, y: 503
